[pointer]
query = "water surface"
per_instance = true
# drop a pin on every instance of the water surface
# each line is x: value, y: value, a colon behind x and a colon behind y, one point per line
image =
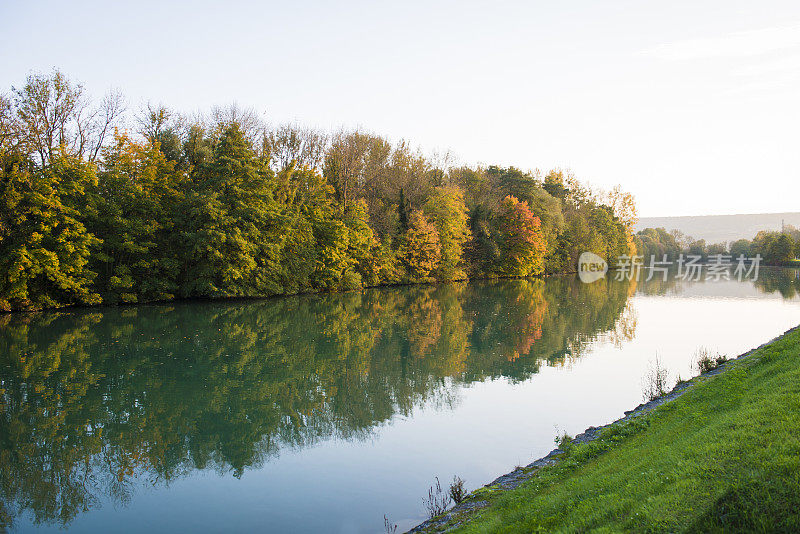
x: 322, y: 413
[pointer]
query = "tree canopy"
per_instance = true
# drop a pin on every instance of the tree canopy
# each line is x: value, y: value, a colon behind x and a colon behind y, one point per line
x: 99, y: 208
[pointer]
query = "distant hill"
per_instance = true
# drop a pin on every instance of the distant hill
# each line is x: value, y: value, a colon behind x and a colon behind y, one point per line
x: 721, y: 228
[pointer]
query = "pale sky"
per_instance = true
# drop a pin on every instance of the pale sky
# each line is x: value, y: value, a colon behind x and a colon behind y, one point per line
x: 692, y: 106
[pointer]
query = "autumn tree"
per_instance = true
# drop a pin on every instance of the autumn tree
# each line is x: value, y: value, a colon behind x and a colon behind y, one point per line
x: 520, y: 238
x: 446, y: 210
x: 222, y: 205
x: 421, y: 249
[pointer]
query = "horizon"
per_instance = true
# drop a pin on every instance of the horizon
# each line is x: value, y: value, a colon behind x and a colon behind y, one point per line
x: 719, y: 215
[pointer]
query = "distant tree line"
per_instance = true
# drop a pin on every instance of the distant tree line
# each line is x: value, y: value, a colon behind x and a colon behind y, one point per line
x: 776, y: 248
x: 98, y: 206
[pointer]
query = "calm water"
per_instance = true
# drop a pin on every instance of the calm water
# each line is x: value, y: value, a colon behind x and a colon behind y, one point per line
x: 323, y: 413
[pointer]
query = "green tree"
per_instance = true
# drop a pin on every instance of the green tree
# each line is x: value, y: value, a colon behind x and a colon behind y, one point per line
x: 332, y: 260
x: 234, y: 234
x: 136, y: 205
x: 740, y: 247
x: 781, y: 249
x: 698, y: 247
x: 715, y: 249
x: 305, y: 199
x: 44, y: 246
x: 554, y: 184
x: 774, y: 247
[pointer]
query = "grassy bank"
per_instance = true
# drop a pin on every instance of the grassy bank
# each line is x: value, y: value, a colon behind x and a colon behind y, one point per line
x: 725, y: 456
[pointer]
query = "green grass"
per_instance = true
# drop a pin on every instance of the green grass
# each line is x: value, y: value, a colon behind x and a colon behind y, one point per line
x: 724, y: 457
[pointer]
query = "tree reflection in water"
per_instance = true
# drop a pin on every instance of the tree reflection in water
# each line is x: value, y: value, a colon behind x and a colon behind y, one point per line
x: 93, y: 403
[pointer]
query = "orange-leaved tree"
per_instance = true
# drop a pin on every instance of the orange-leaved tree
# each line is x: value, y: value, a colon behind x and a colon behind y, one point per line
x: 522, y: 243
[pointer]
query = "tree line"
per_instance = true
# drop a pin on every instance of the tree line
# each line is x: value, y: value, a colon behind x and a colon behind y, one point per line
x: 97, y: 206
x: 775, y: 248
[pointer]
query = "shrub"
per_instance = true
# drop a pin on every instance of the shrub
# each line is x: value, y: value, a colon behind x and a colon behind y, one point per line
x: 564, y: 441
x: 655, y: 381
x: 705, y: 361
x: 457, y: 491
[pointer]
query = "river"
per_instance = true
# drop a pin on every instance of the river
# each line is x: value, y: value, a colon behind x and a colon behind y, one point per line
x: 322, y: 413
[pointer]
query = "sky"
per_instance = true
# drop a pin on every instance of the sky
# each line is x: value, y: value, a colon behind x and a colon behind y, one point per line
x: 691, y: 106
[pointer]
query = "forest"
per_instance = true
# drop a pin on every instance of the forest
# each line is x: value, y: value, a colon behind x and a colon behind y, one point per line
x: 99, y: 204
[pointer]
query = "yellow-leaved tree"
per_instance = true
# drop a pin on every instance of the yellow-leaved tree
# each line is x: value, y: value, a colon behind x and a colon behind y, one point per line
x: 421, y: 250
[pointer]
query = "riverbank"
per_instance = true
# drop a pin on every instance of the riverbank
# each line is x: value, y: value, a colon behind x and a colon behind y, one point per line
x: 719, y: 453
x: 254, y: 298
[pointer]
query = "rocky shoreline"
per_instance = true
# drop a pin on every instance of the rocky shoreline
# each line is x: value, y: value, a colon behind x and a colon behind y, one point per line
x: 459, y: 514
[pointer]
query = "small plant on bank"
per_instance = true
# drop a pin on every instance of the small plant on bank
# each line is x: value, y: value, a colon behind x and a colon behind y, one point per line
x: 705, y: 361
x: 389, y: 526
x: 438, y: 501
x: 457, y: 491
x: 655, y: 381
x: 564, y: 441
